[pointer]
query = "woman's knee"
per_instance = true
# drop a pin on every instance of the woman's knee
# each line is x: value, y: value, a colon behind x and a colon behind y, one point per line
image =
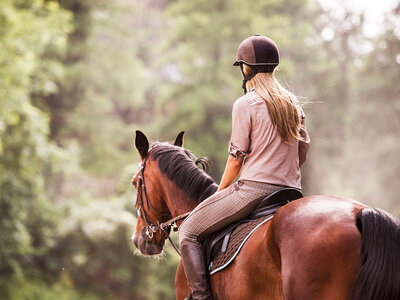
x: 185, y: 233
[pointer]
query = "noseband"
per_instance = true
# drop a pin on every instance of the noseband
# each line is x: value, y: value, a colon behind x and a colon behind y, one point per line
x: 142, y: 214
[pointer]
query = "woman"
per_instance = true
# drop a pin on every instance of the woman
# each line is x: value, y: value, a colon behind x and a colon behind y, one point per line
x: 269, y: 143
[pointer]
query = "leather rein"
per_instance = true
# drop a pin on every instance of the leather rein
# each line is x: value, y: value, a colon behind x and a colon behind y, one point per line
x: 150, y: 227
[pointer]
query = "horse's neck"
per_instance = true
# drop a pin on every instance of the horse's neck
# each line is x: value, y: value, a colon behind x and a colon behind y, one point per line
x: 179, y: 202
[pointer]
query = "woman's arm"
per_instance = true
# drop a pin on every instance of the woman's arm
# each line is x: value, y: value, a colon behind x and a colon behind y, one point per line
x: 304, y: 145
x: 239, y: 143
x: 232, y: 170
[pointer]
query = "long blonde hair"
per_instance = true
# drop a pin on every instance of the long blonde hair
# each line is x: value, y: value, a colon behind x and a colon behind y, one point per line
x: 281, y: 104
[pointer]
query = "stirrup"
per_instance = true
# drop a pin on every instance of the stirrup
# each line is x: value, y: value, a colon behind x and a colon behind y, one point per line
x: 190, y: 296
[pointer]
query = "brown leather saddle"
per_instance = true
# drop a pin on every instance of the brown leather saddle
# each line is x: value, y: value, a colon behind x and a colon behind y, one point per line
x: 223, y: 246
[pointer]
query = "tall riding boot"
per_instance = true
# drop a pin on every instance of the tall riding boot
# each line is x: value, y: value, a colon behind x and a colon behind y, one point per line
x: 195, y: 269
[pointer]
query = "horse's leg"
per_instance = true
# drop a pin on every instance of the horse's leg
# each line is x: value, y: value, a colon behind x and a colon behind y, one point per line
x: 181, y: 287
x: 254, y: 274
x: 320, y: 250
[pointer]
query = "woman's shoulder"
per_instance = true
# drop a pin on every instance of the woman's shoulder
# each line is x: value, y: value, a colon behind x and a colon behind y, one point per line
x: 249, y: 98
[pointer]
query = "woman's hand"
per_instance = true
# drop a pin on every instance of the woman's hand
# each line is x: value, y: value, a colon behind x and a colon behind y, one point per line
x: 232, y: 170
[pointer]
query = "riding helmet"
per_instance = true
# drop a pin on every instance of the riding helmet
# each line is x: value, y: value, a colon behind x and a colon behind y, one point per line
x: 259, y: 51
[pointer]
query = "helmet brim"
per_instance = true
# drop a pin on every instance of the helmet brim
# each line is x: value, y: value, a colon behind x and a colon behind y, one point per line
x: 238, y: 62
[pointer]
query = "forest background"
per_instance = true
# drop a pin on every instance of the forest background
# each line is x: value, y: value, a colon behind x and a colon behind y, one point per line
x: 78, y: 77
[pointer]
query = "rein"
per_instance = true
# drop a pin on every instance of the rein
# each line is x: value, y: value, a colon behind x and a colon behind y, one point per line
x: 150, y: 227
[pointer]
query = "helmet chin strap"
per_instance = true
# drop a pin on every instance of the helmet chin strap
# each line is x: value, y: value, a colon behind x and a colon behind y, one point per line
x: 244, y: 86
x: 246, y: 78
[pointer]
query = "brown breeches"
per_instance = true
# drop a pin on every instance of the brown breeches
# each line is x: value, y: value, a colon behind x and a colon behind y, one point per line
x: 223, y: 208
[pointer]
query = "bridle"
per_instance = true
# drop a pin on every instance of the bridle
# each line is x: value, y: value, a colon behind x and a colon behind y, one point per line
x: 142, y: 214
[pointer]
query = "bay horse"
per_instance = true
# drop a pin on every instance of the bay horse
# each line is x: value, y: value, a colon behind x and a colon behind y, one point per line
x: 317, y: 247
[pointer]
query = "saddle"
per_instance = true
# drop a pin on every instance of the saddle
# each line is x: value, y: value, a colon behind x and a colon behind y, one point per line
x: 223, y: 246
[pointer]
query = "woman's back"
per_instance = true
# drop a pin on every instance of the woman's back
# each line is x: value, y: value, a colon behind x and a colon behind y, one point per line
x: 268, y: 158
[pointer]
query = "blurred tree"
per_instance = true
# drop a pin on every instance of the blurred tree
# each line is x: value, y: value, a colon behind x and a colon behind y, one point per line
x: 71, y: 86
x: 113, y: 95
x: 377, y: 122
x: 108, y: 83
x: 331, y: 84
x: 355, y: 115
x: 28, y: 29
x: 112, y: 65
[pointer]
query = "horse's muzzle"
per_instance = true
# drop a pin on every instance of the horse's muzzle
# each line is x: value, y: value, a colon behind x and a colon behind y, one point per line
x: 146, y: 247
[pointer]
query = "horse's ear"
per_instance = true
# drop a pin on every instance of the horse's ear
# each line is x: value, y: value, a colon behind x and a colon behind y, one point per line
x: 179, y: 139
x: 141, y: 143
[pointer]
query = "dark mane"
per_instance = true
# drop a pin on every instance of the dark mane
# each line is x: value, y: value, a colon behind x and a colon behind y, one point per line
x: 179, y: 165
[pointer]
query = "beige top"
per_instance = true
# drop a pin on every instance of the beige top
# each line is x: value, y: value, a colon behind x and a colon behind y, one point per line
x: 268, y: 158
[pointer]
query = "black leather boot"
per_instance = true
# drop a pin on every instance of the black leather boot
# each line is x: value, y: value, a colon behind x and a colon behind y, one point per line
x: 195, y: 270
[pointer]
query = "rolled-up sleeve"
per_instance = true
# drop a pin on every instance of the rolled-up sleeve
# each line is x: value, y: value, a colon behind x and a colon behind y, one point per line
x: 241, y: 128
x: 304, y: 144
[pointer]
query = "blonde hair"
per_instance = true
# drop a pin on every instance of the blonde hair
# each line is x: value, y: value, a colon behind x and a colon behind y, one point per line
x: 281, y: 104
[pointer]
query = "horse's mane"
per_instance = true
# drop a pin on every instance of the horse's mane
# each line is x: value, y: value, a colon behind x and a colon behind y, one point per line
x: 181, y: 167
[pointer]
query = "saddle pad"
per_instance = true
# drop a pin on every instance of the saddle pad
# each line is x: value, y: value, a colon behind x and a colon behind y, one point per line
x: 237, y: 239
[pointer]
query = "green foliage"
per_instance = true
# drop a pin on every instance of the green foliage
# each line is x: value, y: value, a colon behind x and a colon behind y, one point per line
x: 29, y: 290
x: 104, y: 88
x: 354, y: 121
x: 27, y: 156
x: 27, y: 31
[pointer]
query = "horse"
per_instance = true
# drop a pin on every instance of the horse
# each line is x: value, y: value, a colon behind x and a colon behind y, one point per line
x: 317, y: 247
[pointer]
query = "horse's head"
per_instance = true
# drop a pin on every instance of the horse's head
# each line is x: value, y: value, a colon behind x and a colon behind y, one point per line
x: 151, y: 206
